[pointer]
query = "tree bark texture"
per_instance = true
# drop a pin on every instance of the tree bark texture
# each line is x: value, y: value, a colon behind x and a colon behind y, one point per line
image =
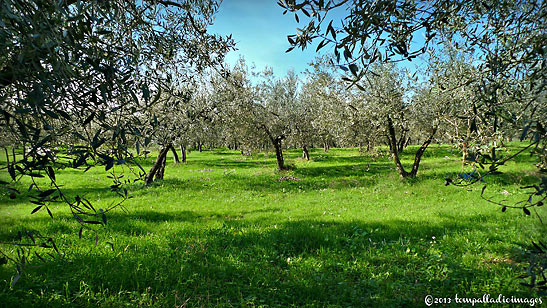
x: 159, y: 164
x: 161, y: 169
x: 175, y: 155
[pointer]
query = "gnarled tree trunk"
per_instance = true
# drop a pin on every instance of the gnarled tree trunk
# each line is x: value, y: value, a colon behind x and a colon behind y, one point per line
x: 276, y: 141
x: 305, y: 153
x: 279, y: 152
x: 175, y: 155
x: 161, y: 169
x: 158, y: 167
x: 392, y: 140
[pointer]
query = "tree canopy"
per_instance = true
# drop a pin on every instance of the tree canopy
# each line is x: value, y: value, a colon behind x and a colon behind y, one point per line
x: 77, y: 76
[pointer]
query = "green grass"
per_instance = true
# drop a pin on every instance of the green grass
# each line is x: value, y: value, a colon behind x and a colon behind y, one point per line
x: 222, y: 231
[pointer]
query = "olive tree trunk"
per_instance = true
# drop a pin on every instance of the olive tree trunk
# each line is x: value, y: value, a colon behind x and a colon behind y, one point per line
x: 326, y: 146
x: 157, y: 170
x: 279, y: 152
x: 175, y: 155
x: 183, y: 152
x: 305, y: 152
x: 277, y: 142
x: 392, y: 140
x: 161, y: 169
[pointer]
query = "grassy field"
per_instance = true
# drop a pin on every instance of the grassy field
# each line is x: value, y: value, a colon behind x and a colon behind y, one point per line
x: 222, y: 231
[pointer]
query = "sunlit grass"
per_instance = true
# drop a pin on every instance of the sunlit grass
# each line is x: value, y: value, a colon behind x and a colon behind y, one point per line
x: 221, y: 230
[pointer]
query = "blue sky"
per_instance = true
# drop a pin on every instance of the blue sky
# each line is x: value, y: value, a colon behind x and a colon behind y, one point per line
x: 260, y: 30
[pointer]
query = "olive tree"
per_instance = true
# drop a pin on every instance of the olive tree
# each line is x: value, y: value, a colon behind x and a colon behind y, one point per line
x: 85, y: 72
x: 303, y: 132
x: 508, y: 38
x: 262, y: 112
x: 326, y: 96
x: 276, y: 99
x: 178, y: 118
x: 396, y: 112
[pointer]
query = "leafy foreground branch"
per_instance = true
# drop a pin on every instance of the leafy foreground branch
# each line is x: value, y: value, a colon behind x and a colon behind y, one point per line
x: 76, y: 78
x: 533, y: 197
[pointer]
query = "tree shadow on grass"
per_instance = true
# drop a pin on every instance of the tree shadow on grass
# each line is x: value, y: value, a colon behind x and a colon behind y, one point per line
x: 522, y: 178
x: 129, y: 222
x: 142, y: 222
x: 296, y: 263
